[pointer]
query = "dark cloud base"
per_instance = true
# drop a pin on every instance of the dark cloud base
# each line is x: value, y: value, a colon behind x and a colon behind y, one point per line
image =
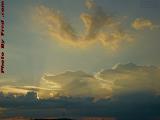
x: 142, y: 105
x: 134, y: 96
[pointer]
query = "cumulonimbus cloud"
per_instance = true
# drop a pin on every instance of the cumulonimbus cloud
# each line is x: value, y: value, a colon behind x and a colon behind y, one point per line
x: 132, y: 78
x: 121, y: 79
x: 99, y: 26
x: 142, y: 24
x: 76, y: 84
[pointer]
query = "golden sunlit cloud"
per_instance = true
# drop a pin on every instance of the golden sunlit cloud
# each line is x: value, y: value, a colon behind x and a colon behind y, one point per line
x: 7, y: 81
x: 77, y: 84
x: 142, y: 24
x: 12, y: 89
x: 99, y: 26
x: 23, y: 90
x: 90, y: 4
x: 104, y: 84
x: 132, y: 78
x: 122, y: 78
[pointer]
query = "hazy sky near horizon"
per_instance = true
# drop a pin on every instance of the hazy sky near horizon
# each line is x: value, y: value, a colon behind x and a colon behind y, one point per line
x: 31, y: 52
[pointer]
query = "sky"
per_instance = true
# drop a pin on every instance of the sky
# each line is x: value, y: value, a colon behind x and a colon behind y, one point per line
x: 101, y: 49
x: 33, y: 51
x: 72, y: 39
x: 51, y: 37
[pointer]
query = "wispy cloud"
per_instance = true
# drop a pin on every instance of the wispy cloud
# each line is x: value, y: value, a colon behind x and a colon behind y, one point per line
x: 17, y: 90
x: 142, y: 24
x: 99, y: 26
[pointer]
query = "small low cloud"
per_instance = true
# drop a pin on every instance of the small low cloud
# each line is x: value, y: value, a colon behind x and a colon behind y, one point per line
x: 142, y: 24
x: 90, y: 4
x: 99, y: 26
x: 4, y: 80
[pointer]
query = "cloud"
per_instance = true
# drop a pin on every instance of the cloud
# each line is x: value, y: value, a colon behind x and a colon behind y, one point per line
x: 132, y: 78
x: 142, y: 24
x: 121, y: 79
x: 5, y: 80
x: 133, y: 86
x: 99, y: 26
x: 140, y: 105
x: 12, y: 89
x: 23, y: 90
x: 2, y: 110
x: 90, y: 4
x: 76, y: 84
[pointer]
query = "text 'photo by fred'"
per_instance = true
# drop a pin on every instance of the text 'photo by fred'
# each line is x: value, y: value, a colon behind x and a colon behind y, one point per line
x: 2, y: 41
